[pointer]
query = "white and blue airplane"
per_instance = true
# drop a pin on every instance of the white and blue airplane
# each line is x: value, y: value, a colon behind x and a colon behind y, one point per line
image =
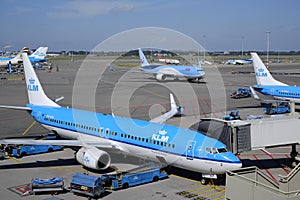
x: 161, y: 72
x: 97, y: 134
x: 239, y: 61
x: 267, y: 85
x: 17, y: 60
x: 39, y: 55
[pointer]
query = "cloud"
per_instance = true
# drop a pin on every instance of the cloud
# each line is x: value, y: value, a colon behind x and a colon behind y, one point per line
x: 91, y: 8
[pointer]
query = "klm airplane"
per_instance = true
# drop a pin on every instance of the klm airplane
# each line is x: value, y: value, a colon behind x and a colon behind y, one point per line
x: 267, y: 85
x: 17, y: 60
x: 39, y: 55
x: 98, y: 134
x: 161, y: 72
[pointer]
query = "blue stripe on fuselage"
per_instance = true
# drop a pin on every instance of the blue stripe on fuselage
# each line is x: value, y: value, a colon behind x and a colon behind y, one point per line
x: 184, y: 70
x: 279, y: 91
x: 132, y: 131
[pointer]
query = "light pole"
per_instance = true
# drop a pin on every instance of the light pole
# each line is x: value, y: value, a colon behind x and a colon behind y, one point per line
x: 268, y: 45
x: 243, y: 46
x: 204, y: 41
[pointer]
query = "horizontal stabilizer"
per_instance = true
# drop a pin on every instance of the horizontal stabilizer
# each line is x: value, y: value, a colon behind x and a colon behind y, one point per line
x: 15, y: 107
x: 254, y: 94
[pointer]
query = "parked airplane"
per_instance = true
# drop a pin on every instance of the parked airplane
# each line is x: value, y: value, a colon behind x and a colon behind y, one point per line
x: 167, y: 61
x: 39, y: 55
x: 17, y: 60
x: 267, y: 85
x: 97, y: 134
x: 161, y: 72
x: 239, y: 61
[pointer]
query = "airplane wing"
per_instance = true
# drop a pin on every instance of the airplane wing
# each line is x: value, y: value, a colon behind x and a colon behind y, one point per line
x: 15, y: 107
x: 78, y: 143
x: 163, y: 118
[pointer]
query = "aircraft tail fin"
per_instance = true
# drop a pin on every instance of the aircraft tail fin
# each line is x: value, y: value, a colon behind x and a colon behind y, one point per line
x: 262, y: 74
x: 40, y: 53
x: 143, y: 59
x: 35, y: 91
x: 18, y: 57
x: 158, y: 56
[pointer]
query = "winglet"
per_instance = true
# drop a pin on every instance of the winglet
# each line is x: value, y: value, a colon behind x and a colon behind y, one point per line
x: 163, y: 118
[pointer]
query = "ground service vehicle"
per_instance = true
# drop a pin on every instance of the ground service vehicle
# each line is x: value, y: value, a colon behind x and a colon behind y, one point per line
x: 53, y: 185
x: 233, y: 115
x: 23, y: 150
x: 241, y: 93
x: 91, y: 186
x: 277, y: 108
x: 144, y: 174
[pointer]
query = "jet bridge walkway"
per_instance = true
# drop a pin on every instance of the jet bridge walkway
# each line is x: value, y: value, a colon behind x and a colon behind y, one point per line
x: 253, y: 184
x: 245, y: 135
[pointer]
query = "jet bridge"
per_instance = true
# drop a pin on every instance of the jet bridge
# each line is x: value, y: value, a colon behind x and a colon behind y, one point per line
x: 234, y: 134
x: 241, y: 136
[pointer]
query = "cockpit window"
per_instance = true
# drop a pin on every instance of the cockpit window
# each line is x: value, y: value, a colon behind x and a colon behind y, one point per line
x: 222, y: 150
x: 215, y: 150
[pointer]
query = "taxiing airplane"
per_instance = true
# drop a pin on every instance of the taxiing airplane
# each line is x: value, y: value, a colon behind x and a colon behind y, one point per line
x: 161, y: 72
x: 17, y: 60
x: 267, y: 85
x: 239, y: 61
x: 167, y: 61
x: 97, y: 134
x: 39, y: 55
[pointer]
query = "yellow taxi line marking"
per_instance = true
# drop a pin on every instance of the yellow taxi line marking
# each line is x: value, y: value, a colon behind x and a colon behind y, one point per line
x: 200, y: 188
x: 184, y: 178
x: 221, y: 197
x: 15, y: 160
x: 214, y: 194
x: 206, y: 191
x: 26, y: 131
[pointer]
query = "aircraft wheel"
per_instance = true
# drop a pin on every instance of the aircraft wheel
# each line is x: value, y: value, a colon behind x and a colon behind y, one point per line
x: 155, y: 179
x: 125, y: 186
x: 203, y: 181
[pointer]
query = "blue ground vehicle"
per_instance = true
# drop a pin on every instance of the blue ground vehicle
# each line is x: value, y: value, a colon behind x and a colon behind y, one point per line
x: 91, y: 186
x: 53, y: 185
x: 144, y: 174
x: 233, y: 115
x: 277, y: 108
x: 241, y: 93
x: 24, y: 150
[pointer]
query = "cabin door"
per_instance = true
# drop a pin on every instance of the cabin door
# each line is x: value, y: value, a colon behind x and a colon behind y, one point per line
x: 190, y: 149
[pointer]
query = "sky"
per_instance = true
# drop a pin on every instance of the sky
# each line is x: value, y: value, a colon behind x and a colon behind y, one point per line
x: 218, y: 25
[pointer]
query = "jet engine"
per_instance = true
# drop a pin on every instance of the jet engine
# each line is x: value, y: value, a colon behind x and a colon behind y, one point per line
x: 93, y: 158
x: 160, y: 77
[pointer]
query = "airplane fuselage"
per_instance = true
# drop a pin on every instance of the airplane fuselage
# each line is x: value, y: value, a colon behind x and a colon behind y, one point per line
x: 175, y: 71
x: 173, y: 145
x: 280, y: 92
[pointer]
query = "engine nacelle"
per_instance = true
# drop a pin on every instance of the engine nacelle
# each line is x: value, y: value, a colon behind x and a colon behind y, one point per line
x: 93, y: 158
x: 160, y: 77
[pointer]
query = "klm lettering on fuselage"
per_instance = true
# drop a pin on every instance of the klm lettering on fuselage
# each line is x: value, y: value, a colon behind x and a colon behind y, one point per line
x: 161, y: 136
x: 260, y: 73
x: 31, y: 86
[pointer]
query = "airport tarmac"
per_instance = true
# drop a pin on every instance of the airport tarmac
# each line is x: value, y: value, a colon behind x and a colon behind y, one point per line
x: 209, y: 98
